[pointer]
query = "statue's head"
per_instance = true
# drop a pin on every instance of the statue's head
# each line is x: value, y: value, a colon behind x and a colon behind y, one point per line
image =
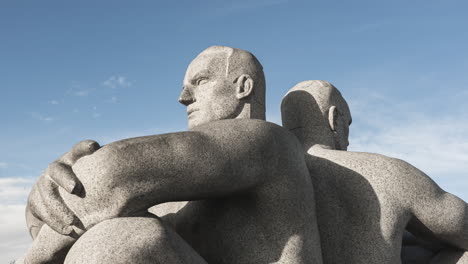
x: 223, y: 83
x: 316, y: 110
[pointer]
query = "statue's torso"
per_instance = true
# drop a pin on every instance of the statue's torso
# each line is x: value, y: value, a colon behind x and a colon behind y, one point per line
x: 265, y: 226
x: 360, y: 219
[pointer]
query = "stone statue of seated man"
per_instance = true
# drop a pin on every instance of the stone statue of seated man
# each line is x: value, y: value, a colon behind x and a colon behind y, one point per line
x: 251, y: 198
x: 365, y: 201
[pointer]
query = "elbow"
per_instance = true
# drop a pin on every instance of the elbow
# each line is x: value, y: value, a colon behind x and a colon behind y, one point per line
x: 455, y: 221
x: 100, y: 171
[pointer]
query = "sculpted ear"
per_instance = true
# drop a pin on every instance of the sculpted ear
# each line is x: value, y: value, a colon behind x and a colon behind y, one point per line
x: 332, y: 117
x: 244, y: 86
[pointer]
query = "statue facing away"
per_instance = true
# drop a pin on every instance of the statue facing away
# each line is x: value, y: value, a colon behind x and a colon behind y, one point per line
x: 365, y: 201
x: 249, y: 185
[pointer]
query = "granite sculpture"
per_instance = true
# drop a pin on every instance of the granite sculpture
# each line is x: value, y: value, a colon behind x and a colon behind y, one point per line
x: 237, y: 189
x: 365, y: 201
x: 250, y: 195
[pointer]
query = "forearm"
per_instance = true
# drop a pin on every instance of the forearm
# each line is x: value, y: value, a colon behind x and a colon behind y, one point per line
x: 134, y: 174
x: 171, y: 167
x: 49, y: 247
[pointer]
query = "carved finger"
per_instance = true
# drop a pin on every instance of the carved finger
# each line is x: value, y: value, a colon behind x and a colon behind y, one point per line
x: 53, y: 210
x: 33, y: 223
x: 61, y: 171
x: 63, y: 176
x: 80, y: 150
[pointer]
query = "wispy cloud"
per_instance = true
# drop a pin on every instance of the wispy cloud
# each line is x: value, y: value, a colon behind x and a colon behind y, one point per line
x: 117, y: 81
x: 14, y: 238
x: 77, y: 89
x: 53, y: 102
x: 14, y: 190
x: 113, y: 100
x: 82, y: 92
x: 95, y: 113
x: 41, y: 117
x: 436, y: 144
x: 3, y: 165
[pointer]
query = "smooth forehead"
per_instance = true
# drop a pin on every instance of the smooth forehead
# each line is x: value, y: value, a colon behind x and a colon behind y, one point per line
x: 209, y: 63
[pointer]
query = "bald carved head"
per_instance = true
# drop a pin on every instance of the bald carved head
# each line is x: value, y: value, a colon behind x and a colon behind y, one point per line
x: 223, y: 83
x: 318, y: 114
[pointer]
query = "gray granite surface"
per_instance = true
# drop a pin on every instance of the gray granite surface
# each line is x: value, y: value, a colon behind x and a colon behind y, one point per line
x: 250, y: 196
x: 365, y: 201
x: 237, y: 189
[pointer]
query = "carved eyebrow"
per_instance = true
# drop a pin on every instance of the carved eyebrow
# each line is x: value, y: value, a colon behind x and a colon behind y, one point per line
x: 203, y: 74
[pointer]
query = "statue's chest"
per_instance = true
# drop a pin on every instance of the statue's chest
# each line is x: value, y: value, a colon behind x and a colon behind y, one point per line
x: 212, y: 227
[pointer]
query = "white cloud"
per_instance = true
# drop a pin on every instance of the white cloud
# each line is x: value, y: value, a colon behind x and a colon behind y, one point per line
x: 77, y: 89
x: 113, y: 99
x: 14, y: 236
x: 3, y: 165
x: 41, y: 117
x: 14, y: 190
x: 434, y: 141
x: 117, y: 81
x: 53, y: 102
x: 82, y: 92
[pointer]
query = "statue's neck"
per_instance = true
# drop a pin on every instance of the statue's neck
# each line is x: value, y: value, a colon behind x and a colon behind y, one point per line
x: 250, y: 111
x: 315, y: 136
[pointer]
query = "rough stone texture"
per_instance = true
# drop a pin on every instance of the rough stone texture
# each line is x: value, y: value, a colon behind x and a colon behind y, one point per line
x: 249, y: 186
x: 253, y: 213
x: 251, y: 197
x: 136, y: 240
x: 450, y: 256
x: 49, y: 247
x: 365, y: 200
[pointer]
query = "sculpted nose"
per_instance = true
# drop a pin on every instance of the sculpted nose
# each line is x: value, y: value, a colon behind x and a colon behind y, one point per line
x: 185, y: 97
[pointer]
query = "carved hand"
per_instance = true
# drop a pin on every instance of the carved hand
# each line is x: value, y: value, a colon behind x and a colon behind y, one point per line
x: 45, y: 204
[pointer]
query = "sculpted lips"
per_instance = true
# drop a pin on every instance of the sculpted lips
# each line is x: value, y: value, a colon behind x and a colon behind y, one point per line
x: 190, y: 111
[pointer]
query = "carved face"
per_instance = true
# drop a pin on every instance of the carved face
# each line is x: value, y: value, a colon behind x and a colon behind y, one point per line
x: 343, y: 122
x: 208, y: 93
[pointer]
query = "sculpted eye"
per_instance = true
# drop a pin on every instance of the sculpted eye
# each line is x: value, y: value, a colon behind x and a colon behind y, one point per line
x: 201, y: 81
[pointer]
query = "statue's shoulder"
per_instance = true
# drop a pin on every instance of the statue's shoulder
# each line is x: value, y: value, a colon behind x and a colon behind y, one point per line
x: 361, y: 160
x: 244, y: 125
x: 251, y: 130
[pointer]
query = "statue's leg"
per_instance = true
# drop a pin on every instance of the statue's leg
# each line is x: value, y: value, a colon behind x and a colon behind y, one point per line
x: 48, y: 247
x: 131, y: 240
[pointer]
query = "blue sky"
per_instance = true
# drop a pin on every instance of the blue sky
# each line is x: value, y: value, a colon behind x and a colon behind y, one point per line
x: 108, y: 70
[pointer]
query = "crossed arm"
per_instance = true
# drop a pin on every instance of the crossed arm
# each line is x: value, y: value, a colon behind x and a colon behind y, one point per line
x: 129, y: 176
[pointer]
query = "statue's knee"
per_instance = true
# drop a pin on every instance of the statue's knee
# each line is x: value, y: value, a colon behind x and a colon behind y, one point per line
x: 121, y: 240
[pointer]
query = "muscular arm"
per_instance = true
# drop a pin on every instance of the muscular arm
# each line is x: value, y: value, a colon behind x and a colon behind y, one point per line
x: 437, y: 214
x: 217, y: 159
